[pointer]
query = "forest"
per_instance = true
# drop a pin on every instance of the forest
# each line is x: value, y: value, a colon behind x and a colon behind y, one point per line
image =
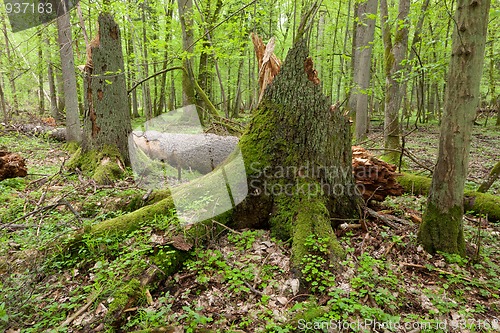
x: 225, y: 166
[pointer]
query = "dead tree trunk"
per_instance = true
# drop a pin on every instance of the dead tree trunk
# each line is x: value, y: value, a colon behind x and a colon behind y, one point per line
x: 107, y: 115
x: 297, y: 155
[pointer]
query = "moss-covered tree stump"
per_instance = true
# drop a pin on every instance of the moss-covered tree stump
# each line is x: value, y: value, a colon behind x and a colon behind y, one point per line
x: 297, y: 155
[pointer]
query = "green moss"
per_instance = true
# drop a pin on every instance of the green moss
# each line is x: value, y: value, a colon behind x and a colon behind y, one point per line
x: 415, y: 184
x: 123, y: 294
x: 104, y: 166
x: 484, y: 204
x: 72, y: 147
x: 442, y: 230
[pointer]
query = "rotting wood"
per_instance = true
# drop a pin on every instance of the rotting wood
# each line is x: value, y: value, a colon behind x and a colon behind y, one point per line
x: 12, y: 165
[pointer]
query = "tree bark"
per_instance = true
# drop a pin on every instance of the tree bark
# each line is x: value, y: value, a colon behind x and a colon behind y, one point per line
x: 11, y: 73
x: 442, y: 227
x: 394, y: 53
x: 69, y: 78
x: 146, y: 91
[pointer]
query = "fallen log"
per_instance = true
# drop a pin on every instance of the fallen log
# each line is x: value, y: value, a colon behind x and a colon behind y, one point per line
x: 479, y: 203
x: 12, y: 165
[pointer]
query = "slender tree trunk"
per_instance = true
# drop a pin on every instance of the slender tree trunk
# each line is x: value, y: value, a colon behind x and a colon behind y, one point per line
x: 442, y: 226
x: 11, y: 61
x: 6, y: 116
x: 492, y: 177
x: 54, y: 112
x: 69, y: 78
x: 186, y: 19
x: 41, y: 97
x: 160, y: 107
x: 394, y: 53
x: 146, y: 92
x: 365, y: 30
x: 238, y: 98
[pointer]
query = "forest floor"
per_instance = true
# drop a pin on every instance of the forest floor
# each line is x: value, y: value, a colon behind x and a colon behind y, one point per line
x: 240, y: 280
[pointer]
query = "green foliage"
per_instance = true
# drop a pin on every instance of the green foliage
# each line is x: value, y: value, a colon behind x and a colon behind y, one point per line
x: 317, y: 271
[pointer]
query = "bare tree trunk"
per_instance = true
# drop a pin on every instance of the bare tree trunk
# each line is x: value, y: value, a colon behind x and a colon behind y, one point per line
x: 394, y: 53
x: 146, y: 92
x: 11, y: 60
x: 442, y: 226
x: 186, y: 19
x: 365, y: 30
x: 54, y: 112
x: 160, y: 107
x: 6, y: 116
x: 65, y: 40
x: 41, y: 97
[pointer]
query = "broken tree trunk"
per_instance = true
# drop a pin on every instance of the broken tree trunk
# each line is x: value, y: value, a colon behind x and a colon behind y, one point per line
x: 105, y: 148
x: 298, y: 159
x: 12, y: 165
x: 269, y: 63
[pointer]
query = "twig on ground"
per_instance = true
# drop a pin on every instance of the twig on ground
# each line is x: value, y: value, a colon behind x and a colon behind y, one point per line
x: 91, y: 299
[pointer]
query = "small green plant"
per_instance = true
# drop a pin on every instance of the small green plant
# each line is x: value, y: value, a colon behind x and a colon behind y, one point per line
x: 316, y: 269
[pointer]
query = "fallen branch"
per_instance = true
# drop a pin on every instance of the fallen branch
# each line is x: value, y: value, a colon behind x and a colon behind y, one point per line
x: 91, y: 299
x: 389, y: 220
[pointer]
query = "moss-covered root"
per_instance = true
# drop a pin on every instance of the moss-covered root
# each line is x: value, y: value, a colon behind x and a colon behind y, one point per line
x: 300, y: 217
x: 442, y: 231
x: 479, y: 203
x: 104, y: 166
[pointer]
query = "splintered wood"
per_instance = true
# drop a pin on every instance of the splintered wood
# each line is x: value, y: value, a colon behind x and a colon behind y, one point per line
x: 12, y: 165
x: 375, y: 178
x: 269, y: 64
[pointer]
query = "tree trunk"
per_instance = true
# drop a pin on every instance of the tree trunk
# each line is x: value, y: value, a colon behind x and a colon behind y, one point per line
x: 160, y: 106
x: 298, y: 158
x: 6, y: 116
x: 394, y: 53
x: 364, y: 38
x: 186, y: 19
x: 107, y: 116
x: 54, y: 112
x: 442, y: 227
x: 11, y: 73
x: 41, y: 97
x: 146, y: 91
x: 69, y: 78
